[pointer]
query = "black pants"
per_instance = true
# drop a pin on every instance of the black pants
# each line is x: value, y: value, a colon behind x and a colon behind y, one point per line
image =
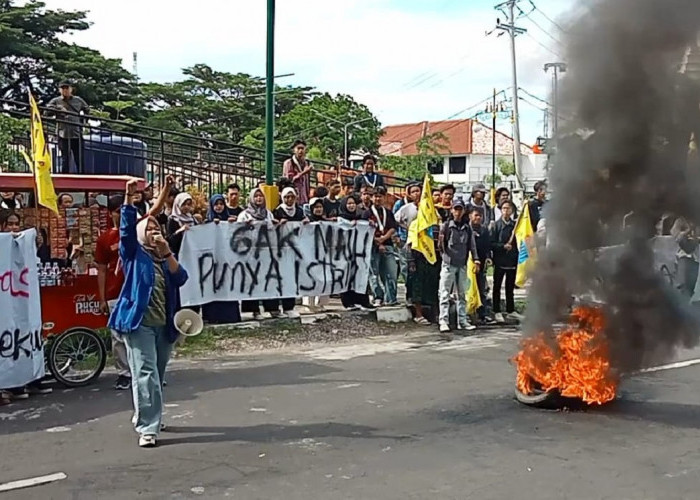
x: 498, y: 275
x: 72, y: 146
x: 481, y: 285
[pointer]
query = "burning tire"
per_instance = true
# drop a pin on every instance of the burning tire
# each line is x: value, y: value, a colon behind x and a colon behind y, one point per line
x: 550, y: 400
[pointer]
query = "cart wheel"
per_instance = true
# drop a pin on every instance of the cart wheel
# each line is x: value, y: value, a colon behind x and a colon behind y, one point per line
x: 77, y: 357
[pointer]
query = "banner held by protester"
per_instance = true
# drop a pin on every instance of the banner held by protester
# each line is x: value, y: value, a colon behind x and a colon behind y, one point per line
x: 21, y: 344
x: 237, y: 261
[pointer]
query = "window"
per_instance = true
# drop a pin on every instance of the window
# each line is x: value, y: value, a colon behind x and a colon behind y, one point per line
x: 458, y: 165
x: 436, y: 167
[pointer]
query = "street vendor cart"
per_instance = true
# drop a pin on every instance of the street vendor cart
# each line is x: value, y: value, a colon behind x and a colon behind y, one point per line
x: 70, y: 301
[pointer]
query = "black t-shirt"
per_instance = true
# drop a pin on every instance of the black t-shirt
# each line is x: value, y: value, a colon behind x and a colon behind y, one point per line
x: 383, y: 218
x: 331, y: 208
x: 234, y: 212
x: 280, y: 214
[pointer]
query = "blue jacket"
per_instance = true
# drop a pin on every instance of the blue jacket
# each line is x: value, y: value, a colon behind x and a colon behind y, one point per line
x: 139, y: 276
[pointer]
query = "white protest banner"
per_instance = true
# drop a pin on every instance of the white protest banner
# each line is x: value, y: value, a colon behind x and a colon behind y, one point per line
x: 237, y: 261
x: 21, y: 344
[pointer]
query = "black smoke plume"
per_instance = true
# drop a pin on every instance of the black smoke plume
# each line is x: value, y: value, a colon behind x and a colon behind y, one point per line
x: 628, y: 115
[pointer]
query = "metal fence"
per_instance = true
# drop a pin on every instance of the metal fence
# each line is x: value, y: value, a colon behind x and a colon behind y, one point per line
x: 112, y: 147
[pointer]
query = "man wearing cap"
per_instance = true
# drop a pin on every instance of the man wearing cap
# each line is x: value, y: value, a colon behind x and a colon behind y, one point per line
x: 478, y: 202
x: 456, y: 242
x: 69, y: 108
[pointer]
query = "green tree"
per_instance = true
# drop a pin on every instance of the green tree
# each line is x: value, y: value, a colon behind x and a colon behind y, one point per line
x: 311, y: 121
x: 11, y: 159
x: 431, y: 149
x: 31, y: 50
x: 215, y: 105
x: 506, y: 167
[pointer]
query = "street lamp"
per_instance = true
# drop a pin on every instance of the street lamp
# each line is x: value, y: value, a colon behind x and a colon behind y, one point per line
x: 346, y: 126
x: 270, y: 106
x: 495, y: 109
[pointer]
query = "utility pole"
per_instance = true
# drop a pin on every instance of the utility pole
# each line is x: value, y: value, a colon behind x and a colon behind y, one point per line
x: 346, y: 135
x: 270, y: 189
x: 508, y: 9
x: 558, y: 67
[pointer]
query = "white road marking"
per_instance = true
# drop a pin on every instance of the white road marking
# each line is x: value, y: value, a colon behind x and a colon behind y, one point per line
x: 58, y: 429
x: 348, y: 386
x: 258, y: 410
x: 34, y: 481
x: 671, y: 366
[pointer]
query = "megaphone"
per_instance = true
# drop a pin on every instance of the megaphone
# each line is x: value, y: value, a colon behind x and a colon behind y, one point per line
x: 188, y: 323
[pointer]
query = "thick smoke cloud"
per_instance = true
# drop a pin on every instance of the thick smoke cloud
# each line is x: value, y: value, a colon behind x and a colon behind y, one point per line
x: 623, y: 148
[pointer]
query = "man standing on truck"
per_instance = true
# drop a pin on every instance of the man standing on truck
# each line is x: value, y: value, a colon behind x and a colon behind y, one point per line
x: 69, y: 110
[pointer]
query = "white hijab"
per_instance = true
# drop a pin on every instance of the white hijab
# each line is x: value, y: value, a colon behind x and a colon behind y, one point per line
x: 290, y: 211
x: 177, y: 214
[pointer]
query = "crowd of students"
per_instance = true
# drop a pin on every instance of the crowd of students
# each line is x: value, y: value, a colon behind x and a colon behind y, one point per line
x: 466, y: 227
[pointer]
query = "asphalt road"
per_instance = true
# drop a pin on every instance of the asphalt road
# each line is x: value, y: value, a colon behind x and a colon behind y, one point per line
x: 389, y: 419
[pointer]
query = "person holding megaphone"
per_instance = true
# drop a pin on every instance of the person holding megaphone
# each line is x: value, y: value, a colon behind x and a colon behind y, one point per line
x: 144, y: 313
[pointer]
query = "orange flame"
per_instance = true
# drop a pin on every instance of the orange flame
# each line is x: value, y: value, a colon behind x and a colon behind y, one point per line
x: 579, y: 368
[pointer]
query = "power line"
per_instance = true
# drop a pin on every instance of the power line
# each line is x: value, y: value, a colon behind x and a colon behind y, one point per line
x: 543, y: 101
x: 535, y: 7
x: 543, y: 46
x: 538, y: 25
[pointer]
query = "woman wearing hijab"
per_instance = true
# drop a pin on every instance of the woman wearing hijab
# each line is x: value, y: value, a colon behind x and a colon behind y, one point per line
x: 218, y: 211
x: 258, y: 212
x: 350, y: 214
x: 180, y: 220
x: 287, y: 211
x: 220, y: 312
x: 144, y: 312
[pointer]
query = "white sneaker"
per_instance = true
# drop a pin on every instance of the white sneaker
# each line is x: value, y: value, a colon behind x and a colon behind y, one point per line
x: 293, y: 314
x: 444, y: 328
x: 500, y: 318
x: 377, y: 303
x: 147, y: 441
x: 467, y: 326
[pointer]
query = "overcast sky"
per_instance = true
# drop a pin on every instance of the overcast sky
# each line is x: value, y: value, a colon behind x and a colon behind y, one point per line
x: 408, y: 60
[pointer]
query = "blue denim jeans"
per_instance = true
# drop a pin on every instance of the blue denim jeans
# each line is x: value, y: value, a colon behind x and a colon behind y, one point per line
x: 384, y: 273
x: 148, y: 351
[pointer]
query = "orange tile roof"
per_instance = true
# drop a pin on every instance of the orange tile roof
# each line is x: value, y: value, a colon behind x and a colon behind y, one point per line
x: 403, y: 139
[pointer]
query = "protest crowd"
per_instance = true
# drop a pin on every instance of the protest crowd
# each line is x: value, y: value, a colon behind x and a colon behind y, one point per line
x: 439, y: 246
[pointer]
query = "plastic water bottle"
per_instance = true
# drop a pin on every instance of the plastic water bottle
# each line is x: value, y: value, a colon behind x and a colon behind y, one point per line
x: 56, y: 274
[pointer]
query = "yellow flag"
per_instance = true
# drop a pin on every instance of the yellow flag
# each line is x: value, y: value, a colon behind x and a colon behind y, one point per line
x: 427, y: 215
x: 473, y: 296
x: 41, y: 160
x: 422, y: 242
x: 526, y: 246
x: 418, y: 235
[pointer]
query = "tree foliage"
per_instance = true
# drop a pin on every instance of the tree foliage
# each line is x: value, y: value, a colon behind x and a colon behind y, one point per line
x: 414, y: 167
x: 32, y: 51
x: 214, y: 104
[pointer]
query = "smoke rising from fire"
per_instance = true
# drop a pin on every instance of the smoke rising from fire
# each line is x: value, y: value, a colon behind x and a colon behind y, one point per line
x: 627, y: 121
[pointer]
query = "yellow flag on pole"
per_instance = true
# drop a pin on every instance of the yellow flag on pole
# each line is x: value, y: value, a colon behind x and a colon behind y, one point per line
x: 473, y: 296
x: 524, y: 235
x: 418, y: 231
x: 41, y: 160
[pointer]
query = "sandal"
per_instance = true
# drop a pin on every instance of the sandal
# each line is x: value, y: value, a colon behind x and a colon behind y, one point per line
x: 421, y: 321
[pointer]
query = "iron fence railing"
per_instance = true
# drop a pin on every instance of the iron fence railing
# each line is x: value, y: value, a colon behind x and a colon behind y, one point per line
x: 112, y: 147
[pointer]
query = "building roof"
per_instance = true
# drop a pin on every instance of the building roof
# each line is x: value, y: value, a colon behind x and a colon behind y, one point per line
x: 402, y: 140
